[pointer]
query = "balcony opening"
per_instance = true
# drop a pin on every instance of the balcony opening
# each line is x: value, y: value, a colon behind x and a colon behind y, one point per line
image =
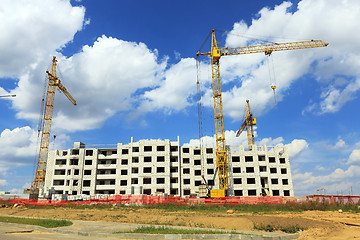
x: 185, y: 150
x: 146, y: 180
x: 174, y: 148
x: 252, y: 192
x: 209, y: 150
x: 147, y: 148
x: 147, y: 159
x: 160, y: 148
x: 89, y: 152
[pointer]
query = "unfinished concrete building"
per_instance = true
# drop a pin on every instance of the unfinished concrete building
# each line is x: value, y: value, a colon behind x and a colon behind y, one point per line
x: 164, y: 167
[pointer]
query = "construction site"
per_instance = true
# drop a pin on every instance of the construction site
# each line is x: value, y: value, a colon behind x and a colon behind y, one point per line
x: 163, y: 167
x: 148, y: 172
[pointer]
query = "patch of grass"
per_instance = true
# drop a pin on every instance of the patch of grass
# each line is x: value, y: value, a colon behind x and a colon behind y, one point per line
x: 48, y: 223
x: 166, y: 230
x: 271, y: 228
x: 31, y: 206
x: 291, y: 229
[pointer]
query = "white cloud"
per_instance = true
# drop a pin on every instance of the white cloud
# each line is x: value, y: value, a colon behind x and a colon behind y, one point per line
x: 87, y: 21
x: 31, y: 31
x: 340, y: 144
x: 296, y: 147
x: 327, y: 169
x: 175, y: 91
x: 337, y: 181
x: 20, y: 146
x: 321, y: 168
x: 230, y: 136
x: 113, y: 75
x: 19, y: 142
x: 105, y: 78
x: 177, y: 55
x: 270, y: 141
x: 354, y: 158
x: 19, y: 155
x: 338, y: 174
x: 334, y: 98
x: 108, y: 77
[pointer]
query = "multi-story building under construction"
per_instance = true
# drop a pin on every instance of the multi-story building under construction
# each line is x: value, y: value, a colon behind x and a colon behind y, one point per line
x: 164, y: 167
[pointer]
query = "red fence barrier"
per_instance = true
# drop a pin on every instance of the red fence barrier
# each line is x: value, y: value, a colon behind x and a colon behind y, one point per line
x: 147, y: 199
x: 343, y: 199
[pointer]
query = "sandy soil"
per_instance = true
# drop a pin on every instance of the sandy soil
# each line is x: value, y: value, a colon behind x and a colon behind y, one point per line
x: 318, y: 225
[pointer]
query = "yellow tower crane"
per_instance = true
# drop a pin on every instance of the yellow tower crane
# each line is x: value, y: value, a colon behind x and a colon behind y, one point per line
x: 215, y: 54
x: 249, y: 122
x: 53, y: 83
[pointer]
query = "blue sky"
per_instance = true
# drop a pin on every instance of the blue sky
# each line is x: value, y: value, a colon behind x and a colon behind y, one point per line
x: 131, y: 67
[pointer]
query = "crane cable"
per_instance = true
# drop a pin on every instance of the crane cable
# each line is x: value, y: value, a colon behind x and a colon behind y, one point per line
x: 272, y: 79
x: 198, y: 86
x: 202, y: 45
x: 260, y: 38
x: 244, y: 36
x: 53, y: 143
x: 200, y: 115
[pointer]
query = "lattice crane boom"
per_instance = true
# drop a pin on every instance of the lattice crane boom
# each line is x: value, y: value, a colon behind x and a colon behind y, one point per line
x: 248, y: 123
x: 215, y: 54
x: 62, y: 88
x: 267, y: 48
x: 53, y: 83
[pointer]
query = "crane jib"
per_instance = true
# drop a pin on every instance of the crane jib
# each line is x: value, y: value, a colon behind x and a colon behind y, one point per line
x: 268, y: 48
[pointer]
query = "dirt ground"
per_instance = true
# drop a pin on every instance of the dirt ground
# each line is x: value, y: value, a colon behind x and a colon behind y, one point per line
x: 318, y: 224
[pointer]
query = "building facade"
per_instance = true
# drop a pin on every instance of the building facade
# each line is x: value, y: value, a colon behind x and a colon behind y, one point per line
x: 164, y: 167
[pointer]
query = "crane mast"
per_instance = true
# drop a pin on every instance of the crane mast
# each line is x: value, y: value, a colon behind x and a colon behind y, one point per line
x: 53, y: 84
x: 221, y: 160
x: 215, y: 54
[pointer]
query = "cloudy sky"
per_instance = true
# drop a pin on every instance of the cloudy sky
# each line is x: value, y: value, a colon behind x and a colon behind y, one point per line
x: 131, y: 67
